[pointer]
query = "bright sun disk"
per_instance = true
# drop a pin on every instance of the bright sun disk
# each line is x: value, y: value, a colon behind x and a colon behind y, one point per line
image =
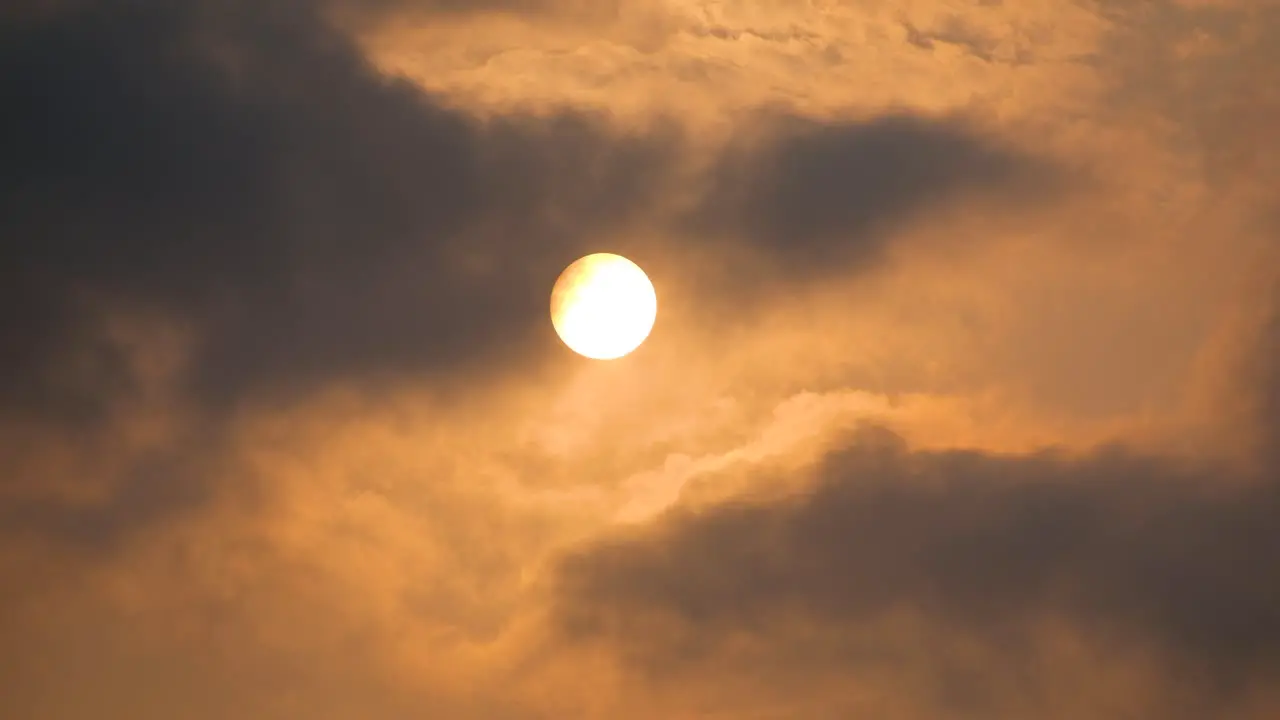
x: 603, y: 306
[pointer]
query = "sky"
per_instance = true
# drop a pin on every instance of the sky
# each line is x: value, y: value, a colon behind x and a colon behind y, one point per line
x: 963, y: 399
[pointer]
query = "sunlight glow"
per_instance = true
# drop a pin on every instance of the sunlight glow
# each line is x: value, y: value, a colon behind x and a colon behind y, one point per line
x: 603, y: 306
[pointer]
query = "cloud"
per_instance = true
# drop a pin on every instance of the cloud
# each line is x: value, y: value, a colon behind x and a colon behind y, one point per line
x: 284, y: 431
x: 411, y: 8
x: 1268, y: 404
x: 989, y: 560
x: 247, y: 174
x: 214, y: 212
x: 820, y: 198
x: 1123, y: 549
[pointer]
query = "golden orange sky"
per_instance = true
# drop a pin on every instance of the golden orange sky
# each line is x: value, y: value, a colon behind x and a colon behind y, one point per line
x: 962, y: 401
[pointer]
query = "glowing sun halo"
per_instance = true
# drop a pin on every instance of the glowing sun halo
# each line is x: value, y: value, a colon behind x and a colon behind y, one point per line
x: 603, y: 306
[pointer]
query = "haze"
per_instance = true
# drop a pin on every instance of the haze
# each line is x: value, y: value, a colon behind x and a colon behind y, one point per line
x: 963, y: 401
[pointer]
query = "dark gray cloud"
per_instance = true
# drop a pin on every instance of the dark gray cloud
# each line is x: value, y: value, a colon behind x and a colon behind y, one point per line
x: 1129, y: 550
x: 242, y: 169
x: 821, y: 198
x: 239, y: 168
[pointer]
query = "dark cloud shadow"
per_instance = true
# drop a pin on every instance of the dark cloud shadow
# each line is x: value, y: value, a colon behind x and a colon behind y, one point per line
x: 240, y: 168
x: 1126, y: 548
x: 821, y: 198
x: 1132, y: 551
x: 238, y: 171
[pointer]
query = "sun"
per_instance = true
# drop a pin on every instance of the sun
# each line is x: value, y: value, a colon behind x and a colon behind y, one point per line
x: 603, y: 306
